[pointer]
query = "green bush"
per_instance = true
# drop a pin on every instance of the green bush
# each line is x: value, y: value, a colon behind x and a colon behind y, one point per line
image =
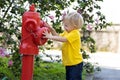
x: 49, y: 71
x: 5, y: 71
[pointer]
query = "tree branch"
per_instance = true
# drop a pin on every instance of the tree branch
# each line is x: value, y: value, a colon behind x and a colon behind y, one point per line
x: 8, y: 9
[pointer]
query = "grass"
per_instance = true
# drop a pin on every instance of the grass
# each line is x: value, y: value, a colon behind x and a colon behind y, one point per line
x: 42, y: 71
x: 51, y: 71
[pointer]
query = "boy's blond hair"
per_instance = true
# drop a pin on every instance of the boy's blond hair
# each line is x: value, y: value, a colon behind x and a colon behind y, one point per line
x: 74, y: 19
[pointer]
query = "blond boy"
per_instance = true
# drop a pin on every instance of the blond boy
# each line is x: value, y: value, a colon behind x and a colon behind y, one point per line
x: 71, y: 55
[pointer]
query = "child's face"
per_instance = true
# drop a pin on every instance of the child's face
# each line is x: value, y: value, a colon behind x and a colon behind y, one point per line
x: 67, y: 27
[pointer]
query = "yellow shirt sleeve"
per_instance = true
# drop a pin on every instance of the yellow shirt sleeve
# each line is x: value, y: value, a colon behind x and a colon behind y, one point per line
x: 72, y: 36
x: 62, y: 34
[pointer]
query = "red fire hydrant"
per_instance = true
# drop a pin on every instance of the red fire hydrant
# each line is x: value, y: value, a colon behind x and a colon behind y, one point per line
x: 32, y: 36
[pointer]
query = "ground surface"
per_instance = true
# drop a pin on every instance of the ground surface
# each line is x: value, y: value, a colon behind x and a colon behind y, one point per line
x: 109, y: 63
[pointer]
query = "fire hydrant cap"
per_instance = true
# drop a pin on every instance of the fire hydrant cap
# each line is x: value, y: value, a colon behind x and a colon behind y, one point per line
x: 32, y: 7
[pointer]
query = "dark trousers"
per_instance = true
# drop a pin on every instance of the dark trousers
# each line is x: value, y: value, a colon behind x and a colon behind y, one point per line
x: 74, y: 72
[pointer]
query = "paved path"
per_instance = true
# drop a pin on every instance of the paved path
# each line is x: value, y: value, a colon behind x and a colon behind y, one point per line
x: 110, y: 65
x: 107, y: 74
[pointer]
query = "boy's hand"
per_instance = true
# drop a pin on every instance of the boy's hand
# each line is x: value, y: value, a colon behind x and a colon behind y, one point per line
x: 52, y: 30
x: 47, y: 34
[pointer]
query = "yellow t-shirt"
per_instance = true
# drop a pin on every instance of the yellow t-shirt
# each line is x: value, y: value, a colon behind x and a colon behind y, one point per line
x: 71, y: 49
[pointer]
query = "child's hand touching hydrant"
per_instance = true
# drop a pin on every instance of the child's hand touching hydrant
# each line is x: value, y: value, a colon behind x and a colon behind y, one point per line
x: 47, y: 34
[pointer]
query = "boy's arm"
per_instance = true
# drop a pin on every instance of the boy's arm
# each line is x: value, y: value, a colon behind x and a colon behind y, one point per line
x: 58, y: 38
x: 52, y: 30
x: 54, y: 37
